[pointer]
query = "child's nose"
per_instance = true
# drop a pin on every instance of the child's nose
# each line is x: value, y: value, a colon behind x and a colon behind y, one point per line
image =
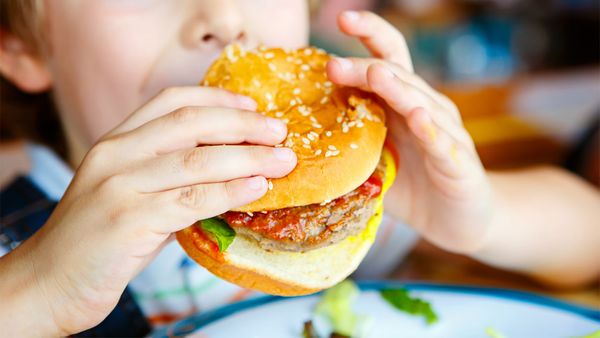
x: 221, y: 23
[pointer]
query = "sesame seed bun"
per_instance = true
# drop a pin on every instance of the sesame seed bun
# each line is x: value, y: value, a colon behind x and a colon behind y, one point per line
x: 338, y: 135
x: 336, y: 132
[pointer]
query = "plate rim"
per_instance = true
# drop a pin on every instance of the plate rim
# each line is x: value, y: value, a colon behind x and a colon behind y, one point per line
x: 200, y: 320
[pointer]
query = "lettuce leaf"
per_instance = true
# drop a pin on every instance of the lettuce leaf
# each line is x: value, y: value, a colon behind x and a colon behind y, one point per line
x: 218, y: 231
x: 336, y: 305
x: 403, y: 301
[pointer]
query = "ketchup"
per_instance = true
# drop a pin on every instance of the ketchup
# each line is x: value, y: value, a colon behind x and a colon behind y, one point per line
x: 290, y: 224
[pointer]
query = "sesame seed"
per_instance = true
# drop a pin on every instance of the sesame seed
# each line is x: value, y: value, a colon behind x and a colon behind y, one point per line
x: 318, y: 85
x: 308, y: 51
x: 301, y: 76
x: 289, y: 59
x: 318, y: 126
x: 271, y: 106
x: 312, y: 119
x: 328, y: 153
x: 263, y: 212
x: 318, y: 152
x: 305, y: 140
x: 314, y: 134
x: 269, y: 96
x: 351, y: 124
x: 359, y: 124
x: 279, y: 114
x: 345, y: 129
x: 328, y: 133
x: 324, y: 100
x: 339, y: 119
x: 353, y: 146
x: 310, y: 137
x: 292, y: 102
x: 296, y: 91
x: 272, y: 67
x: 250, y: 213
x: 270, y: 185
x: 306, y: 146
x: 256, y: 82
x: 305, y: 67
x: 269, y: 55
x: 331, y: 147
x: 262, y: 48
x: 335, y: 153
x: 327, y: 84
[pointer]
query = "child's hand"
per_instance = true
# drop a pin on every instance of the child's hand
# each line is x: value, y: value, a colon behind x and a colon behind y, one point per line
x: 143, y: 181
x: 441, y: 188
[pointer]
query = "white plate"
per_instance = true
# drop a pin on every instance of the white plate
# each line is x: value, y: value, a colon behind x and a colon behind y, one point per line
x: 463, y: 312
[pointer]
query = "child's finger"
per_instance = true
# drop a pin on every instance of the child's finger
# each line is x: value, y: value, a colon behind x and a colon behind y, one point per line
x: 173, y: 98
x: 443, y: 153
x: 379, y: 36
x: 184, y: 206
x: 191, y: 126
x: 403, y: 98
x: 353, y: 72
x: 210, y: 164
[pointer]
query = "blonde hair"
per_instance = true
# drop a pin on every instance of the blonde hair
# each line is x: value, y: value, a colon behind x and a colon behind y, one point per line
x: 24, y: 19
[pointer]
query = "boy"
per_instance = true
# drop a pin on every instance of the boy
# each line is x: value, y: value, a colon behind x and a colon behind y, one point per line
x: 147, y: 145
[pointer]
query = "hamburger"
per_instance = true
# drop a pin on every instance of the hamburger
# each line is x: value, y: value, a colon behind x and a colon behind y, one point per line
x: 313, y: 227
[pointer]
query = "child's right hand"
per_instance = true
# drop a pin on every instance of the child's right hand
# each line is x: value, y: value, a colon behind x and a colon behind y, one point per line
x: 161, y: 170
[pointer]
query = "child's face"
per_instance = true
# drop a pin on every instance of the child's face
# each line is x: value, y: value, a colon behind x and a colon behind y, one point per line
x: 110, y: 56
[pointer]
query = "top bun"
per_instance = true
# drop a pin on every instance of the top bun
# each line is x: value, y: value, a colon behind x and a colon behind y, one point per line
x: 336, y: 132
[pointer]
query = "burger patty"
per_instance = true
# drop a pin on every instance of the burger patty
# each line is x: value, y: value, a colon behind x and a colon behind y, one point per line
x: 311, y: 226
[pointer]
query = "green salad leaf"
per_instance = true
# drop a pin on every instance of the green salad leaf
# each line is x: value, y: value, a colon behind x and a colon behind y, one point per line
x: 403, y: 301
x: 219, y: 231
x: 336, y: 305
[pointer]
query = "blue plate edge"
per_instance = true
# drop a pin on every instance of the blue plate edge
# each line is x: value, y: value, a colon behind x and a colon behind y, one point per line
x: 190, y: 324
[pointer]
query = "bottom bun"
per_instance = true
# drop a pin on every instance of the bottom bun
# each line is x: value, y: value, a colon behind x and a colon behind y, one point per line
x: 285, y: 273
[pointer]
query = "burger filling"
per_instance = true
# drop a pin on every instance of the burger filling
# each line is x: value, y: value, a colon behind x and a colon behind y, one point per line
x: 311, y: 226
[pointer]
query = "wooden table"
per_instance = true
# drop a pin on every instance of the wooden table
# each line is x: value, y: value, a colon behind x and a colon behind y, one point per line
x: 430, y: 264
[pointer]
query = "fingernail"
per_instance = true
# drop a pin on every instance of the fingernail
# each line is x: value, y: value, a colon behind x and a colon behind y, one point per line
x: 345, y: 64
x: 351, y: 15
x: 428, y: 126
x: 255, y: 183
x: 283, y: 154
x: 276, y: 126
x: 247, y: 102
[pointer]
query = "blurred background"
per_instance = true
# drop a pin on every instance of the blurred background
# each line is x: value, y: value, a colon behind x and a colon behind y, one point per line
x: 524, y: 73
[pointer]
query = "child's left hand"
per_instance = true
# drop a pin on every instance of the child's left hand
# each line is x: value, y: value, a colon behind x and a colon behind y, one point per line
x: 441, y: 188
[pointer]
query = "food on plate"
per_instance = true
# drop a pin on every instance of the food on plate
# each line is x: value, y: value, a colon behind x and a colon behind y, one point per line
x: 337, y: 305
x: 313, y: 227
x: 403, y: 301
